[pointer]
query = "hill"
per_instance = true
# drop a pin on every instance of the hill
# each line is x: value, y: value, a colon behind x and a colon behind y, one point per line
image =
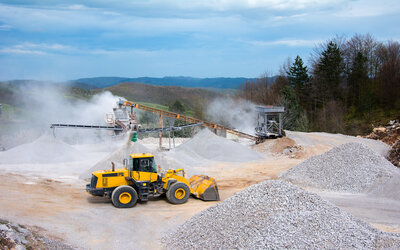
x: 139, y: 92
x: 181, y: 81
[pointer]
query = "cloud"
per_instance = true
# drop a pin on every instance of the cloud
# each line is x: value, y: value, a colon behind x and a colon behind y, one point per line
x: 43, y: 46
x: 35, y: 48
x: 209, y: 5
x: 21, y: 51
x: 76, y: 7
x: 80, y: 18
x: 5, y: 27
x: 287, y: 42
x: 369, y: 8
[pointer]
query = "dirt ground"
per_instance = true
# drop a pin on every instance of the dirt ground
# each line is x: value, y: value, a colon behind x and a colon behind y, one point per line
x: 63, y: 209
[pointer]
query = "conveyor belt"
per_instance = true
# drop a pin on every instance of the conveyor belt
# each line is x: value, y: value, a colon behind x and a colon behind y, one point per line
x: 85, y: 126
x: 187, y: 119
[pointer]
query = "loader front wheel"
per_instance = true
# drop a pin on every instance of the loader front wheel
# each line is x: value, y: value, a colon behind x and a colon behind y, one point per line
x: 124, y: 197
x: 178, y: 193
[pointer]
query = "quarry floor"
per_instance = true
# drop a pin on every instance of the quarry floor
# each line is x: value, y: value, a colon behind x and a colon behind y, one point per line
x: 60, y: 207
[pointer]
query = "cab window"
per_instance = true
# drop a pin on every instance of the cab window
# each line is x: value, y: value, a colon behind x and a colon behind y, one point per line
x: 144, y: 165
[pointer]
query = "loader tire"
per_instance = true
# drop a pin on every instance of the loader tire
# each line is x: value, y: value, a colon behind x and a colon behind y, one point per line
x: 178, y: 193
x: 124, y: 197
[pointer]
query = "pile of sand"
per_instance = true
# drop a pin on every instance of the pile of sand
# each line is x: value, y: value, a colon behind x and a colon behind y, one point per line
x: 351, y: 167
x: 282, y: 145
x: 45, y: 149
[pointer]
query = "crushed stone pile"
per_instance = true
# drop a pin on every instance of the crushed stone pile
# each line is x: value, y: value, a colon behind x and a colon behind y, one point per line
x: 275, y: 215
x: 205, y: 146
x: 351, y: 167
x: 45, y: 149
x: 117, y: 158
x: 15, y: 236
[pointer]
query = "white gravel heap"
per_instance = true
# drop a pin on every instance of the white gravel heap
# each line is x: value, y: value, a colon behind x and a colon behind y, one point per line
x: 206, y: 146
x: 276, y: 214
x: 351, y: 167
x: 45, y: 149
x: 117, y: 158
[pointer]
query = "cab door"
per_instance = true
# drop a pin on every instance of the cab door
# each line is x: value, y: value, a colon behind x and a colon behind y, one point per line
x: 144, y: 169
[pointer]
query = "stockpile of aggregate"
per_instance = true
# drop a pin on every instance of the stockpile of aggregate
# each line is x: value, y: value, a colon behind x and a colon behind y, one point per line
x: 117, y: 157
x: 205, y: 146
x: 351, y: 167
x: 45, y: 149
x: 15, y: 236
x: 276, y: 214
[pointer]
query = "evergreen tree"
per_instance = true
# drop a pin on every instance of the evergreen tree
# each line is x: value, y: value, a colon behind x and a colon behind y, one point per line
x: 329, y: 71
x: 298, y: 75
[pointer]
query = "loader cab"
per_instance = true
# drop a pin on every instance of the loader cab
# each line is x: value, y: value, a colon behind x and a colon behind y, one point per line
x: 142, y: 167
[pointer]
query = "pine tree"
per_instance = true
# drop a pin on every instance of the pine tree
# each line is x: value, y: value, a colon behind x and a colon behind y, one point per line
x: 330, y: 70
x: 298, y: 78
x: 298, y: 74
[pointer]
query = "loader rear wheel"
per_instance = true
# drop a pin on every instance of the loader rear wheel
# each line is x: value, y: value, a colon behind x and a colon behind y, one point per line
x: 178, y: 193
x: 124, y: 197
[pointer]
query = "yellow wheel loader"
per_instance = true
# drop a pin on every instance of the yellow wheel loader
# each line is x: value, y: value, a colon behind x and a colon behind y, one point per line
x: 140, y: 180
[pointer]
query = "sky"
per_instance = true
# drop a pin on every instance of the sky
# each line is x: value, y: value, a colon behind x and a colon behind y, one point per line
x: 65, y: 40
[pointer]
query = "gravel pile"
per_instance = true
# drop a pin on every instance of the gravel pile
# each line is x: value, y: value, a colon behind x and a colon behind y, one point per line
x: 276, y: 214
x: 351, y: 167
x: 15, y: 236
x: 205, y: 146
x: 117, y: 158
x: 46, y: 149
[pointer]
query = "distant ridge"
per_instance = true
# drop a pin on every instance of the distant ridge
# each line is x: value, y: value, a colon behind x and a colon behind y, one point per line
x: 163, y: 95
x: 180, y: 81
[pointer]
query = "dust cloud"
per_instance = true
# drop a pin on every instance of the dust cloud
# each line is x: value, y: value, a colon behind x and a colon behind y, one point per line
x: 234, y: 113
x: 44, y: 104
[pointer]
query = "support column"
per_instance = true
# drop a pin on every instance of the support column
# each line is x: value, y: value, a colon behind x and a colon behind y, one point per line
x: 173, y: 138
x: 169, y: 139
x: 160, y: 125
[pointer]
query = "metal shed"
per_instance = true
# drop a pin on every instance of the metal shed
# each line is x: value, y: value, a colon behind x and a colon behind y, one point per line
x: 269, y: 121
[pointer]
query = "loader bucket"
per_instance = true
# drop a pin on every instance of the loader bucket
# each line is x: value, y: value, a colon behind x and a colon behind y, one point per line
x: 205, y: 188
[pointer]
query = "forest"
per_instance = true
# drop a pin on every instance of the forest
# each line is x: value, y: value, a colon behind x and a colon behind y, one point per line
x: 348, y: 86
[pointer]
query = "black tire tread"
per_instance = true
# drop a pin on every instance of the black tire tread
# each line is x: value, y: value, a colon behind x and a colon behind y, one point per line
x: 115, y: 194
x: 171, y: 193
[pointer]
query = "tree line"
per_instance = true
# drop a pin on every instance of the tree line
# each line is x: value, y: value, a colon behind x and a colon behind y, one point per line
x: 348, y: 85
